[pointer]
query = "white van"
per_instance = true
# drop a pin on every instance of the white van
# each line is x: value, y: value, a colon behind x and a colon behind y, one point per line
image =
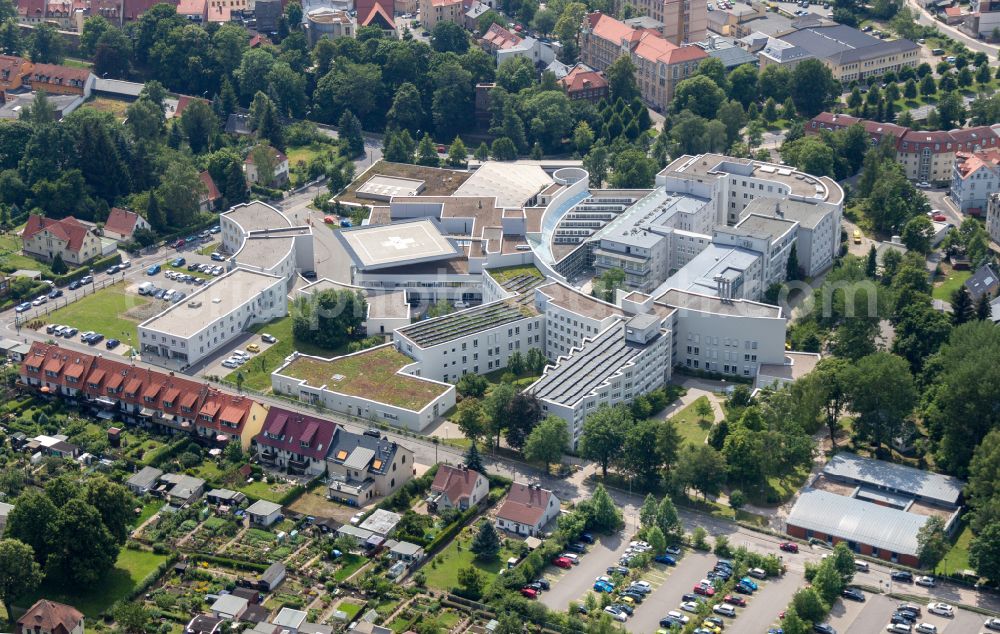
x: 145, y: 287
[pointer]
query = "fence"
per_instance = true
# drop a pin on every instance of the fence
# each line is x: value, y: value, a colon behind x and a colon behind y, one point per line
x: 52, y: 305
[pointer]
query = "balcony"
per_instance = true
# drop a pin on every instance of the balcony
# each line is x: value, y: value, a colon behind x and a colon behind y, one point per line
x: 269, y: 458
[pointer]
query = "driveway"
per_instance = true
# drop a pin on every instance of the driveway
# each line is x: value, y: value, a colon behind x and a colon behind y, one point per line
x: 573, y: 585
x: 689, y: 570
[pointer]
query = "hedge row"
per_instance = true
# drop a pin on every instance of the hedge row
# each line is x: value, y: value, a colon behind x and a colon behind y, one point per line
x: 168, y: 452
x: 450, y: 531
x: 148, y: 581
x: 96, y: 265
x: 229, y: 562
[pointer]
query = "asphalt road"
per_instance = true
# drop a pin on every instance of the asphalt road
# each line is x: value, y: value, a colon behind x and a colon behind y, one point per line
x: 876, y: 611
x: 975, y: 45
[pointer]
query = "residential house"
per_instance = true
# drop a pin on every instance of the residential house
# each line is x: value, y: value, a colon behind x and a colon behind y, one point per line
x: 144, y: 480
x: 290, y: 620
x: 364, y: 467
x: 983, y: 18
x: 974, y: 176
x: 122, y: 224
x: 69, y: 238
x: 527, y: 509
x: 272, y: 577
x: 295, y: 443
x: 925, y: 155
x: 457, y: 487
x: 379, y: 15
x: 278, y: 168
x: 179, y: 489
x: 225, y: 417
x: 13, y: 71
x: 983, y: 282
x: 505, y: 44
x: 49, y: 617
x: 54, y: 79
x: 584, y: 83
x: 442, y: 11
x: 210, y: 198
x: 229, y: 607
x: 660, y: 63
x: 54, y: 446
x: 194, y: 10
x: 263, y: 513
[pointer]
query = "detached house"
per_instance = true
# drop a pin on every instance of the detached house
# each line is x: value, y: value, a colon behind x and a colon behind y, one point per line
x: 45, y: 238
x: 49, y: 617
x: 279, y: 168
x: 122, y: 223
x: 527, y: 509
x: 457, y: 488
x: 294, y: 442
x: 364, y: 467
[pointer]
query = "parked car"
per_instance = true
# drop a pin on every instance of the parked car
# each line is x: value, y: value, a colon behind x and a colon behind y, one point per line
x: 111, y: 344
x: 254, y: 348
x: 824, y: 628
x: 153, y: 270
x: 543, y: 583
x: 674, y: 614
x: 667, y: 623
x: 586, y: 538
x: 725, y: 609
x: 689, y: 606
x: 529, y: 593
x: 215, y: 229
x: 112, y: 269
x: 54, y: 293
x: 562, y: 562
x: 621, y: 570
x: 904, y: 576
x: 266, y: 338
x: 178, y: 243
x: 229, y: 363
x: 704, y: 589
x: 624, y: 606
x: 902, y: 617
x: 665, y: 559
x: 747, y: 581
x: 757, y: 573
x: 38, y: 301
x: 941, y: 609
x: 925, y: 581
x: 939, y: 218
x: 616, y: 614
x: 789, y: 547
x: 734, y: 600
x: 217, y: 257
x: 992, y: 623
x: 911, y: 608
x: 309, y: 275
x: 672, y: 550
x: 95, y: 339
x: 125, y: 264
x: 631, y: 597
x: 861, y: 566
x: 75, y: 284
x: 899, y: 628
x: 853, y: 594
x: 70, y: 332
x: 23, y: 306
x: 573, y: 558
x: 926, y: 628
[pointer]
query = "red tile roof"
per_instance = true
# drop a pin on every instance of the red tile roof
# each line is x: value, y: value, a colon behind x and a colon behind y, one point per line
x: 56, y: 74
x: 525, y: 504
x: 970, y: 163
x: 608, y: 28
x: 286, y: 430
x: 121, y: 221
x: 583, y: 78
x: 11, y: 65
x: 378, y: 11
x: 907, y: 140
x: 69, y: 230
x: 497, y: 37
x: 457, y: 483
x: 212, y: 194
x: 49, y: 616
x: 953, y: 12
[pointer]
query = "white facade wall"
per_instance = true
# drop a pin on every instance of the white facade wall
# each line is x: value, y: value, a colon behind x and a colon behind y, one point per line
x: 215, y: 334
x: 973, y: 191
x: 993, y: 217
x: 727, y: 344
x: 565, y: 329
x: 477, y: 353
x: 430, y: 287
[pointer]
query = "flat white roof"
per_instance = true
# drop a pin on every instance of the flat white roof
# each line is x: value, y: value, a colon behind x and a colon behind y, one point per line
x: 211, y: 303
x: 257, y: 216
x: 511, y: 184
x: 397, y: 243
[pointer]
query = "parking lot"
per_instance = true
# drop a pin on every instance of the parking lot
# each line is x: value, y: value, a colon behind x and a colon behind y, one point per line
x: 574, y: 584
x: 764, y: 606
x: 849, y: 617
x: 679, y: 580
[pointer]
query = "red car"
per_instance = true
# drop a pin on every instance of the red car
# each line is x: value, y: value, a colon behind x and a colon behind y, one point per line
x: 529, y: 593
x: 562, y: 562
x: 940, y: 218
x: 179, y: 243
x: 707, y: 591
x: 789, y: 547
x: 734, y: 600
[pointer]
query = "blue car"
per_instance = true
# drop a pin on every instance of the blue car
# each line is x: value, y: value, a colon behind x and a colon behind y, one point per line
x: 179, y: 262
x: 603, y: 586
x: 665, y: 559
x: 747, y: 581
x: 153, y: 270
x: 23, y: 307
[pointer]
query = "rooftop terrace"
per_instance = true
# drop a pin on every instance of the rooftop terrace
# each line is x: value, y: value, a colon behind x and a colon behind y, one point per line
x: 372, y: 374
x: 432, y: 332
x: 518, y: 279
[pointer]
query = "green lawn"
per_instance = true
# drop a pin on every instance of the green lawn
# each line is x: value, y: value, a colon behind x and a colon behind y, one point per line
x: 257, y: 372
x: 149, y: 509
x: 304, y: 153
x: 76, y: 63
x: 132, y: 567
x: 209, y: 248
x: 690, y: 426
x: 350, y: 608
x: 350, y: 564
x: 958, y: 557
x: 442, y: 572
x: 101, y: 312
x: 11, y: 255
x: 949, y: 284
x: 264, y: 491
